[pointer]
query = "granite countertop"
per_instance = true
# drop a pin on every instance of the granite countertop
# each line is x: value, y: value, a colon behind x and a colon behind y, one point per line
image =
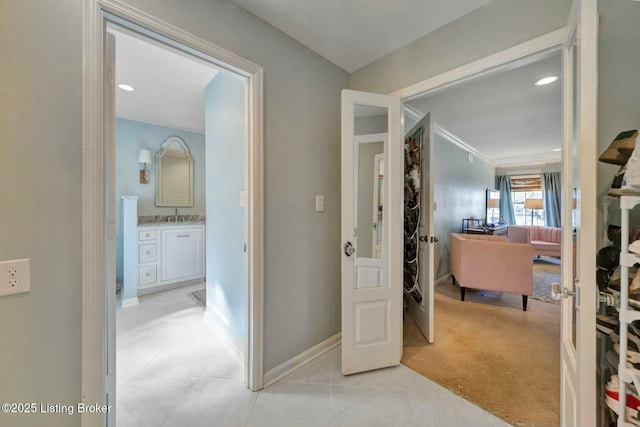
x: 170, y: 220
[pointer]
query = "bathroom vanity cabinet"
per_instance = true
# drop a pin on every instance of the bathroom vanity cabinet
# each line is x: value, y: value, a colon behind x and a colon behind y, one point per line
x: 168, y: 255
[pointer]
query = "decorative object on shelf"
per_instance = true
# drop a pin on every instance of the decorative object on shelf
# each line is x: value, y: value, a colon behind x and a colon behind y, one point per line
x: 620, y: 148
x: 618, y: 179
x: 631, y: 179
x: 533, y: 204
x: 145, y: 158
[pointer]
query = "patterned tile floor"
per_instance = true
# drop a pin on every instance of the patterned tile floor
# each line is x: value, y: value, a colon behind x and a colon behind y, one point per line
x: 172, y: 372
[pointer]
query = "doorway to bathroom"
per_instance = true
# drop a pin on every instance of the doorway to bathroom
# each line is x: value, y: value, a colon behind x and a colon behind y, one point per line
x: 205, y: 258
x: 173, y: 155
x: 179, y: 184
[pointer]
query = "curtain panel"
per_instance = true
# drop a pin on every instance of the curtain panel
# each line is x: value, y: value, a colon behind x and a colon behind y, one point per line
x: 503, y: 184
x: 551, y: 190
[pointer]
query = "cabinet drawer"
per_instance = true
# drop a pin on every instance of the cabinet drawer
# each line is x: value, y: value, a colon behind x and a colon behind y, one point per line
x: 147, y: 275
x: 147, y: 252
x: 147, y: 235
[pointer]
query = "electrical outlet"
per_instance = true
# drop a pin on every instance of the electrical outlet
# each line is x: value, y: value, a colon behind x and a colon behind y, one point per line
x: 14, y: 277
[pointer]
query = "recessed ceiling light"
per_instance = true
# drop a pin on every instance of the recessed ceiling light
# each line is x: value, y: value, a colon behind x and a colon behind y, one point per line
x: 557, y: 149
x: 546, y: 80
x: 126, y: 87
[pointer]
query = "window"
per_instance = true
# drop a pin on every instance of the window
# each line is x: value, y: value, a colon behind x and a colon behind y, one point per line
x: 523, y: 188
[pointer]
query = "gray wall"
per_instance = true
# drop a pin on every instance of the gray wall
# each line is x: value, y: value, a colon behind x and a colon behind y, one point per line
x: 41, y: 172
x: 133, y: 136
x: 41, y: 176
x: 488, y: 29
x: 459, y: 191
x: 618, y: 87
x: 226, y: 157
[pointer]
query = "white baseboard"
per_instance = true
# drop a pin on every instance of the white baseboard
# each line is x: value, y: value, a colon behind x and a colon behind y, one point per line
x: 227, y: 341
x: 161, y: 288
x: 442, y: 279
x: 302, y: 359
x: 130, y: 302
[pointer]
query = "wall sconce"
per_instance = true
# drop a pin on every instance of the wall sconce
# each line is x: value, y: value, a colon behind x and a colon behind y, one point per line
x: 145, y: 158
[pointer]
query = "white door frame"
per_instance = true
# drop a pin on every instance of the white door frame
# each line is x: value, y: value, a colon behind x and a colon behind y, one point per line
x: 549, y: 42
x: 95, y: 231
x: 490, y: 64
x: 579, y: 407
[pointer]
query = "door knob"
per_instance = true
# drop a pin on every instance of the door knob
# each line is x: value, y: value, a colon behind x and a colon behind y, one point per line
x: 349, y: 249
x: 434, y: 239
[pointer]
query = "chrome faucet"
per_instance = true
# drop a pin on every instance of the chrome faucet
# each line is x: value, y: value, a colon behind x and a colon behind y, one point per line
x: 176, y: 217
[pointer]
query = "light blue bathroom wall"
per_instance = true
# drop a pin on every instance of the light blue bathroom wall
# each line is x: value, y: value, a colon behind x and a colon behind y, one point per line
x: 133, y: 136
x: 459, y: 188
x: 226, y: 260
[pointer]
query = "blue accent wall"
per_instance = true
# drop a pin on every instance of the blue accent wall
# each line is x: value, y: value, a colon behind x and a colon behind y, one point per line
x: 225, y: 111
x: 133, y: 136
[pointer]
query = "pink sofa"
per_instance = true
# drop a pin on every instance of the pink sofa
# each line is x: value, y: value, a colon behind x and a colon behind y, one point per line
x: 545, y: 240
x: 491, y: 263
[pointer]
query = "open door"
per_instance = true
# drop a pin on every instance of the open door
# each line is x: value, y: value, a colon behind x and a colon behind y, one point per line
x: 579, y: 209
x: 419, y: 209
x: 371, y: 274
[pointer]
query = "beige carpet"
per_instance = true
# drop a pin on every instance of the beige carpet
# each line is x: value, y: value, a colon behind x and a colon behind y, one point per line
x: 493, y: 354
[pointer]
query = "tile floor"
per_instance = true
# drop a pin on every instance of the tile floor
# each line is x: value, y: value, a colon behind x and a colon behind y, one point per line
x: 171, y: 372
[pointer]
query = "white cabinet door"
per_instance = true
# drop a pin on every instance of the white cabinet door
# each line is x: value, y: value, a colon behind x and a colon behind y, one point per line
x: 182, y: 254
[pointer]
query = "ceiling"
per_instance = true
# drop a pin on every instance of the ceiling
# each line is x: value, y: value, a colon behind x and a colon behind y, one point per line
x: 354, y: 33
x: 504, y: 116
x: 169, y: 84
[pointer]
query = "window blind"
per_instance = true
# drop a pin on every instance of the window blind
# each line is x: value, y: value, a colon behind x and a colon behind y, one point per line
x: 526, y: 183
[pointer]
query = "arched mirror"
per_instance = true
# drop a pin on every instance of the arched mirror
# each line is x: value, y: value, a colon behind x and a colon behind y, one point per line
x: 174, y: 182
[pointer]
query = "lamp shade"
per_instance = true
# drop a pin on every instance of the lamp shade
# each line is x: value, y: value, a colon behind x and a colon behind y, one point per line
x: 493, y: 203
x: 144, y: 157
x: 533, y: 204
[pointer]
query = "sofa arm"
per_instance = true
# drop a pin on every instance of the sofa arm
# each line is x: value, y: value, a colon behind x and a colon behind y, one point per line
x: 517, y: 234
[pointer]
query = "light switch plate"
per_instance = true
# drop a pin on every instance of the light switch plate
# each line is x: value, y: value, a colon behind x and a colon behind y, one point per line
x: 243, y: 198
x: 15, y: 277
x: 319, y: 203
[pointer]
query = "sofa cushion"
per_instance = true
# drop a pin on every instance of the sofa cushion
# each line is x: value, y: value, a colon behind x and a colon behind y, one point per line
x: 545, y: 246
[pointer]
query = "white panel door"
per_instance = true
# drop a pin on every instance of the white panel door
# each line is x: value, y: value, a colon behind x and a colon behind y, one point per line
x: 422, y: 311
x: 579, y: 204
x: 371, y: 285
